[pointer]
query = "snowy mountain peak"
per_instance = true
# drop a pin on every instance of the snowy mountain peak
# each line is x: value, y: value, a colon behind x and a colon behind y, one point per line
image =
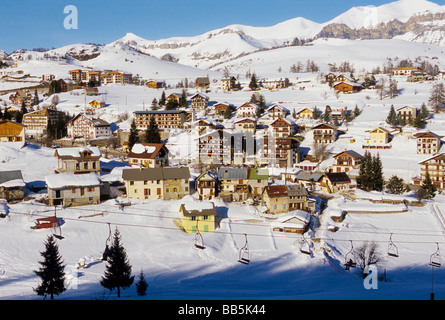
x: 371, y: 16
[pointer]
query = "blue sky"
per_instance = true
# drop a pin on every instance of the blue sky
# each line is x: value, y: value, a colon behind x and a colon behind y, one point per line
x: 39, y: 23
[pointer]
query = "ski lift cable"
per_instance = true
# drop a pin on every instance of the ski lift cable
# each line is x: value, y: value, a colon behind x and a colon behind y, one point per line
x: 240, y: 233
x: 405, y: 231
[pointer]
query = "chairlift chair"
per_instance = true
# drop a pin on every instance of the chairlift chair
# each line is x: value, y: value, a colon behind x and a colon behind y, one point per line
x: 350, y: 259
x: 392, y: 248
x: 199, y: 240
x: 435, y: 258
x: 304, y: 246
x: 106, y: 253
x: 244, y: 255
x: 57, y: 225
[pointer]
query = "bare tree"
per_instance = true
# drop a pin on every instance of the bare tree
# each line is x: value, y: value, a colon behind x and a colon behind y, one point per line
x: 367, y: 254
x: 381, y: 88
x: 320, y: 152
x: 437, y: 98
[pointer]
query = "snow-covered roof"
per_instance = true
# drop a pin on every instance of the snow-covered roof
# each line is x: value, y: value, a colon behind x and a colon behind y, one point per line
x: 65, y: 180
x: 77, y: 151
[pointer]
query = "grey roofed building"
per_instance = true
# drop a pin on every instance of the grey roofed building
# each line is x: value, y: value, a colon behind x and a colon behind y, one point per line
x: 338, y: 177
x: 296, y: 190
x: 232, y: 173
x: 309, y: 176
x: 162, y: 173
x: 6, y: 176
x: 352, y: 153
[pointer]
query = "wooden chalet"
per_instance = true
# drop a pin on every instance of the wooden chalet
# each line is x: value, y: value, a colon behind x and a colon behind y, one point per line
x: 346, y: 160
x: 324, y: 133
x: 333, y: 182
x: 347, y: 87
x: 11, y: 131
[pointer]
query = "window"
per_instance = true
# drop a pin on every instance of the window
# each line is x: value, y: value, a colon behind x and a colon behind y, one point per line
x: 131, y: 183
x: 73, y: 190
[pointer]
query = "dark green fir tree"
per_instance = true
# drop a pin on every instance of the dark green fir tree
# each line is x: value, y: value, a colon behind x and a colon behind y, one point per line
x: 51, y: 271
x: 118, y: 270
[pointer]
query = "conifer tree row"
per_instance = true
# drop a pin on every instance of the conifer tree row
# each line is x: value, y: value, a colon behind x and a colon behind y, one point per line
x: 370, y: 173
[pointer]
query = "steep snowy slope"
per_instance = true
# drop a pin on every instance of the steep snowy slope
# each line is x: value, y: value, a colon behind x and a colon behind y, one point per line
x: 368, y: 16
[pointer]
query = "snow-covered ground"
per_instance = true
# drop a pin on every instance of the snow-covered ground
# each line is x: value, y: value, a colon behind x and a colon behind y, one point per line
x: 175, y: 269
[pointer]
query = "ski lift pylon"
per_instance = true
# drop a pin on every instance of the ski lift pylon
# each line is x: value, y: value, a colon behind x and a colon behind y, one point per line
x: 435, y: 258
x: 392, y: 248
x: 244, y: 255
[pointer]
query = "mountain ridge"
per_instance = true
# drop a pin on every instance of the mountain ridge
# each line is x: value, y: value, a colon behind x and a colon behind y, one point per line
x: 404, y: 19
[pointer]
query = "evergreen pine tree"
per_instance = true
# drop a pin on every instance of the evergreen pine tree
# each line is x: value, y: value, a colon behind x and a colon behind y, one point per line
x: 429, y: 187
x: 7, y: 114
x: 183, y: 100
x: 162, y: 101
x: 134, y: 136
x: 392, y: 117
x: 51, y: 271
x: 36, y: 98
x: 364, y: 176
x: 152, y: 134
x: 377, y: 173
x: 356, y: 111
x: 141, y: 285
x: 118, y: 270
x: 253, y: 85
x: 424, y: 113
x: 395, y: 185
x: 228, y: 113
x: 327, y: 114
x: 154, y: 104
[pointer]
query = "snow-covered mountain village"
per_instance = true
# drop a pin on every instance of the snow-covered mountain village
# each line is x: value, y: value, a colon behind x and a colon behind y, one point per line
x: 292, y: 162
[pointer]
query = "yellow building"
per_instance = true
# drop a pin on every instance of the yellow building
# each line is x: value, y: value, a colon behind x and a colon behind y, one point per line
x: 12, y: 131
x: 96, y: 104
x: 198, y: 216
x: 378, y: 138
x: 166, y: 183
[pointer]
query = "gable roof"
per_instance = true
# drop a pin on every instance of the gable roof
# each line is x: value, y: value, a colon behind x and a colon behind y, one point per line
x: 439, y: 155
x: 67, y: 180
x: 427, y: 133
x: 291, y: 190
x: 324, y: 125
x: 147, y: 150
x: 162, y: 173
x: 258, y: 174
x: 351, y: 153
x: 232, y: 173
x: 76, y: 152
x: 198, y: 209
x: 378, y: 128
x: 336, y: 177
x: 6, y: 176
